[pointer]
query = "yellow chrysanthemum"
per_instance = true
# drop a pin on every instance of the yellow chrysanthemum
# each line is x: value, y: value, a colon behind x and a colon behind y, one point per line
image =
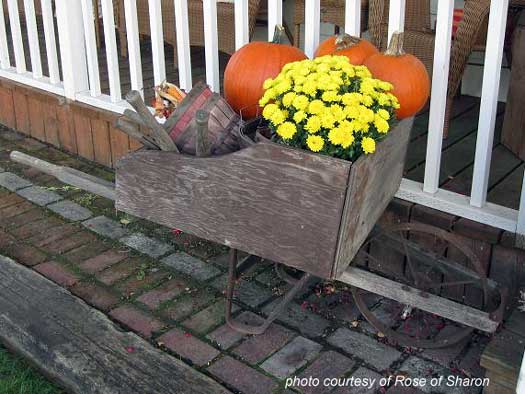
x: 300, y: 102
x: 347, y: 139
x: 278, y: 117
x: 310, y: 88
x: 315, y: 143
x: 330, y: 96
x: 269, y: 110
x: 316, y: 107
x: 299, y: 116
x: 337, y: 112
x: 327, y: 119
x: 313, y: 124
x: 381, y: 124
x: 288, y: 99
x: 352, y: 112
x: 283, y: 86
x: 368, y: 100
x: 268, y: 83
x: 383, y: 113
x: 369, y: 145
x: 287, y: 130
x: 334, y: 136
x: 352, y: 98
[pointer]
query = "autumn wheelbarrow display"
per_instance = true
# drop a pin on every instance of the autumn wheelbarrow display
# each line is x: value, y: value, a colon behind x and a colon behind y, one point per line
x: 304, y: 187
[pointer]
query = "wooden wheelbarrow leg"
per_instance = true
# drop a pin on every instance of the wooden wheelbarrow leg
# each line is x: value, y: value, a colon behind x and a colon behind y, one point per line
x: 247, y: 328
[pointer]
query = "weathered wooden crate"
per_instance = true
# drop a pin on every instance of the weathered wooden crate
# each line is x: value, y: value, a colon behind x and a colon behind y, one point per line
x: 308, y: 211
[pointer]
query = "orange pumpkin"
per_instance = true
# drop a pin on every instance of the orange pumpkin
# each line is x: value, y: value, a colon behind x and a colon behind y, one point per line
x: 250, y: 66
x: 406, y: 72
x: 355, y: 49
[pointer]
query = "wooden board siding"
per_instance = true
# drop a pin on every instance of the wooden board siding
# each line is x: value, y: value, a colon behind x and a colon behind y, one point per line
x: 72, y: 126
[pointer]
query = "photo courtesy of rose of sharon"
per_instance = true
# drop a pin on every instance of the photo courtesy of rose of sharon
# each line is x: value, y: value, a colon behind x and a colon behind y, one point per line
x: 340, y: 104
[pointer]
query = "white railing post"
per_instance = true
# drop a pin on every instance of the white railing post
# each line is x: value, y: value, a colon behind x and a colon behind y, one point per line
x: 242, y: 31
x: 438, y: 101
x: 312, y: 17
x: 4, y: 49
x: 183, y: 44
x: 16, y: 36
x: 396, y: 17
x: 489, y: 100
x: 353, y: 17
x: 72, y: 47
x: 520, y: 388
x: 275, y: 16
x: 32, y: 35
x: 91, y: 47
x: 211, y: 45
x: 157, y: 41
x: 132, y: 35
x: 110, y: 39
x: 51, y: 43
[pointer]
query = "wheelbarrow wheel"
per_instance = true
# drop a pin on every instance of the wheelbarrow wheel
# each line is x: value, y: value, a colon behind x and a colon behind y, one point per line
x: 434, y: 261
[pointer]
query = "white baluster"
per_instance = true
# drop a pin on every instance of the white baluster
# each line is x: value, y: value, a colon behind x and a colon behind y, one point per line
x: 211, y: 44
x: 489, y: 100
x: 110, y: 40
x: 16, y: 36
x: 396, y: 17
x: 275, y: 16
x: 51, y: 44
x: 183, y: 44
x: 157, y: 41
x: 132, y: 32
x: 353, y: 17
x: 242, y: 32
x: 91, y: 47
x: 312, y: 17
x: 32, y: 35
x: 438, y: 100
x: 4, y: 50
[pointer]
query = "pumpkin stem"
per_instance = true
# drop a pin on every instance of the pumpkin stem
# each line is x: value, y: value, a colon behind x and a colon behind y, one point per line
x: 395, y: 48
x: 345, y: 41
x: 278, y: 34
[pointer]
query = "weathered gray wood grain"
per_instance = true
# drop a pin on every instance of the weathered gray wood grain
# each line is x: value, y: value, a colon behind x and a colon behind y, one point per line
x: 275, y: 202
x: 374, y: 180
x: 79, y: 347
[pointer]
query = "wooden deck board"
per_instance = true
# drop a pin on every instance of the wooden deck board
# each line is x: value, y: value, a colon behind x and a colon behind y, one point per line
x: 72, y: 342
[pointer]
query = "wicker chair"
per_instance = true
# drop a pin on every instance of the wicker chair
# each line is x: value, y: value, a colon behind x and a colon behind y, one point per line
x: 419, y: 38
x: 332, y: 11
x: 225, y: 23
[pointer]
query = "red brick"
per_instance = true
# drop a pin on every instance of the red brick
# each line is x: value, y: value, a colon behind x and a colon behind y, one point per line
x: 431, y: 216
x: 479, y: 231
x: 28, y: 217
x: 26, y: 254
x: 329, y: 365
x: 10, y: 199
x: 85, y: 252
x: 96, y: 295
x: 103, y: 261
x: 68, y: 243
x: 36, y: 228
x: 118, y: 272
x: 259, y: 347
x: 136, y: 283
x: 189, y: 347
x: 242, y: 377
x: 166, y: 292
x: 57, y: 273
x: 54, y: 234
x: 5, y: 240
x: 137, y: 320
x: 7, y: 213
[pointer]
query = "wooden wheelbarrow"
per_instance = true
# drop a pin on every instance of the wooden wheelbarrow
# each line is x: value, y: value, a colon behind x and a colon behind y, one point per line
x: 313, y: 213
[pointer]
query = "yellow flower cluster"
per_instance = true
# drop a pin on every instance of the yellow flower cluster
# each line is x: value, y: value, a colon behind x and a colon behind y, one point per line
x: 330, y: 106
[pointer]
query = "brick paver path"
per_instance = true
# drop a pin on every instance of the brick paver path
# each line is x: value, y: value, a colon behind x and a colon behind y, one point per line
x: 168, y: 287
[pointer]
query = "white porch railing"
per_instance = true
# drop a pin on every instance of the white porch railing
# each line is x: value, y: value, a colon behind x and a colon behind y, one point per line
x: 81, y: 74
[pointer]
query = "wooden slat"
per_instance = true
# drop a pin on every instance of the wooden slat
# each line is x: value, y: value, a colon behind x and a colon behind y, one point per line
x: 407, y: 295
x: 119, y: 144
x: 353, y: 17
x: 50, y: 40
x: 312, y: 14
x: 51, y: 123
x: 91, y: 47
x: 183, y: 44
x: 157, y: 41
x: 7, y: 111
x: 275, y: 16
x: 101, y: 141
x: 111, y: 50
x: 32, y: 34
x: 489, y: 100
x: 242, y: 31
x: 80, y: 347
x: 66, y: 131
x: 507, y: 192
x: 132, y: 31
x: 16, y: 36
x: 503, y: 356
x: 84, y: 136
x: 5, y: 62
x: 211, y: 44
x: 21, y: 111
x: 36, y: 118
x: 438, y: 101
